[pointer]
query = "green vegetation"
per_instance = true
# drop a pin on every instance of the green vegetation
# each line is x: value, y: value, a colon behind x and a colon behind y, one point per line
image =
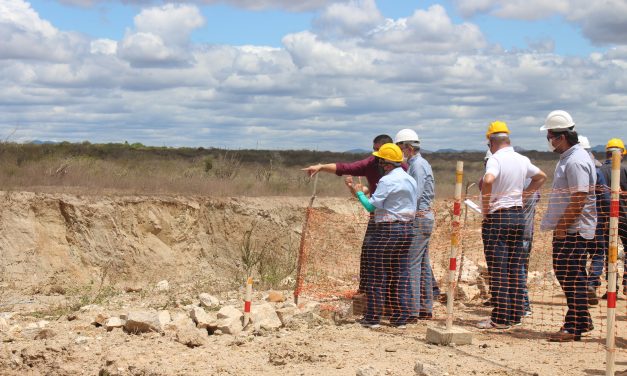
x: 86, y: 168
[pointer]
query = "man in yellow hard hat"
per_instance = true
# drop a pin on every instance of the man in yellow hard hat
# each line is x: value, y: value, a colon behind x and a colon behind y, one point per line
x: 394, y: 206
x: 504, y: 224
x: 616, y: 144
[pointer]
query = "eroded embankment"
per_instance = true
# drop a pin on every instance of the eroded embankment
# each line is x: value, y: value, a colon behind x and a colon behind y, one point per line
x: 48, y: 240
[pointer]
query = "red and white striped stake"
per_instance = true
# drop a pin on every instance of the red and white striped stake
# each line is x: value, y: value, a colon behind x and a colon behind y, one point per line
x: 612, y: 261
x: 455, y: 237
x: 247, y: 302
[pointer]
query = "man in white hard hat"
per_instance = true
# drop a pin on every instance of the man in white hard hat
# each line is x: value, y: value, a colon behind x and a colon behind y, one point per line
x: 571, y: 215
x: 502, y: 193
x: 420, y: 270
x: 394, y: 206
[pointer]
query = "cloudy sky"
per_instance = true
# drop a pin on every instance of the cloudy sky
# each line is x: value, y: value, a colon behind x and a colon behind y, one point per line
x: 309, y: 74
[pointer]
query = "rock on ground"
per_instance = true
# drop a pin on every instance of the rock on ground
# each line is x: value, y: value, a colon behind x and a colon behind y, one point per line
x: 368, y: 371
x: 264, y: 316
x: 146, y: 321
x: 208, y: 301
x: 230, y: 320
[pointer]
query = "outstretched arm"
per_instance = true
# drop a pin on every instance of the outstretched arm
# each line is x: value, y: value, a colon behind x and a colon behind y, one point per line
x: 312, y: 170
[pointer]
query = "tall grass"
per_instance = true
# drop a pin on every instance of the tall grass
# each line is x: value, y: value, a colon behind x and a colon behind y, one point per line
x: 135, y: 169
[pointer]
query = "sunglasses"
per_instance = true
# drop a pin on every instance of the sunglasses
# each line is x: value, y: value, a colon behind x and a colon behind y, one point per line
x: 553, y: 137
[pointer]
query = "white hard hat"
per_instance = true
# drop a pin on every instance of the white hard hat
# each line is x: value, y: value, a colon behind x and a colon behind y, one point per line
x: 584, y: 142
x: 558, y: 119
x: 405, y: 135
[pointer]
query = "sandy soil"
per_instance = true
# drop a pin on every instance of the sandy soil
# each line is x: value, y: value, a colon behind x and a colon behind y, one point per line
x: 59, y: 251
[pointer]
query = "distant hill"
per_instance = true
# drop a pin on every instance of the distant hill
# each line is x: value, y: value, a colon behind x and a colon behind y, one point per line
x: 358, y: 151
x: 39, y: 142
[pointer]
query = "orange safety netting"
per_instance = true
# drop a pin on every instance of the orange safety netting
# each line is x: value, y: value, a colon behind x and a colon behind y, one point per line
x: 507, y: 268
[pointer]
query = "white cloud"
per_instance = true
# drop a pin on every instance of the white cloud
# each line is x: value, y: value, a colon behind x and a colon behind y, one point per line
x: 317, y: 91
x: 603, y: 22
x: 162, y: 36
x: 350, y: 19
x: 24, y: 35
x: 427, y: 31
x: 104, y: 46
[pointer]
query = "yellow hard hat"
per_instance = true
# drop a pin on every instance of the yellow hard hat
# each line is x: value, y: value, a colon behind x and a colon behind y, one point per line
x: 496, y: 127
x: 389, y: 152
x: 616, y: 143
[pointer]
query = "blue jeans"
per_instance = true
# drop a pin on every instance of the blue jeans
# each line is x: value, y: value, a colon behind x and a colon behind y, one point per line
x: 367, y: 250
x: 389, y: 280
x: 598, y: 253
x: 569, y: 263
x: 505, y: 258
x: 420, y: 270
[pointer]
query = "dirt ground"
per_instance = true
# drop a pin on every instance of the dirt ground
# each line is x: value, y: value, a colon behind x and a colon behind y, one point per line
x: 67, y: 258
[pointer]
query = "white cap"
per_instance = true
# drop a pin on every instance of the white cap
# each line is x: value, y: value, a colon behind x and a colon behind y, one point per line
x: 584, y: 142
x: 558, y: 120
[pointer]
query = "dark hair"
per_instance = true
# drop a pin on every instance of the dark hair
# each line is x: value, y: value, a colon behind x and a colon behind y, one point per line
x: 570, y: 134
x: 382, y: 139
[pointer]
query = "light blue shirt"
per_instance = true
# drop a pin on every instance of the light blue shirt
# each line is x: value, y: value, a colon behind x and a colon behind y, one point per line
x: 421, y: 171
x: 395, y: 198
x: 575, y: 172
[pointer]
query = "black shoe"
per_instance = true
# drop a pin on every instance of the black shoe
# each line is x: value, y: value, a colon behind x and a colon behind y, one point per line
x: 592, y: 296
x: 564, y: 336
x: 587, y: 329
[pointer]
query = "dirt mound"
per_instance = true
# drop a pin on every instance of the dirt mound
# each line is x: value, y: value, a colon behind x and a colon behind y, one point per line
x: 50, y: 240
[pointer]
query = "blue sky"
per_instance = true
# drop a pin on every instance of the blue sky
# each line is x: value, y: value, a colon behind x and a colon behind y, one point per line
x: 325, y: 74
x: 267, y: 27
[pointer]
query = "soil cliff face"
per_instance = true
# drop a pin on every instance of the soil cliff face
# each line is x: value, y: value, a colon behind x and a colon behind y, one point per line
x: 59, y: 239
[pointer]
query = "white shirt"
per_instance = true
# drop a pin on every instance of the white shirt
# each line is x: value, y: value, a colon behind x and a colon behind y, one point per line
x: 510, y: 170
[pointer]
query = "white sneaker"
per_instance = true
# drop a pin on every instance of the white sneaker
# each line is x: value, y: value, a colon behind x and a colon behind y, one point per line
x: 489, y: 324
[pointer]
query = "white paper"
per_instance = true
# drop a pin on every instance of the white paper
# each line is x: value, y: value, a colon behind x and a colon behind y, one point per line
x: 474, y: 207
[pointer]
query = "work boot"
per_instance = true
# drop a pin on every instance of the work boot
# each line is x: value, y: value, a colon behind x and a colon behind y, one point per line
x: 564, y: 336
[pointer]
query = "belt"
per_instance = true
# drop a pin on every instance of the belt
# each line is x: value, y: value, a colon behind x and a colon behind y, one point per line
x: 511, y: 209
x: 388, y: 223
x: 423, y: 213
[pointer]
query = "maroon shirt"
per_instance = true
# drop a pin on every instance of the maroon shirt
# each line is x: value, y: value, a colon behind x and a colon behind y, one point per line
x: 365, y: 167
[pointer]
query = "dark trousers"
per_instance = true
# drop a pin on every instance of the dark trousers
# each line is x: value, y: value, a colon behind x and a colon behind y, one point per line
x: 389, y: 279
x: 527, y: 245
x: 503, y: 243
x: 569, y: 263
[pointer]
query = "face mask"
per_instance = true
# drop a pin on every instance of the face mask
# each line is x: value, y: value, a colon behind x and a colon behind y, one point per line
x: 550, y: 144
